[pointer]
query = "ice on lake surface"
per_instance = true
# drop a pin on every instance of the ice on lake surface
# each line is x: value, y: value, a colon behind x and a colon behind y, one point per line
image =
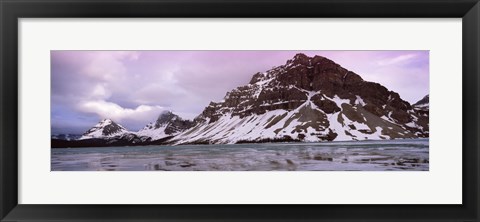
x: 382, y: 155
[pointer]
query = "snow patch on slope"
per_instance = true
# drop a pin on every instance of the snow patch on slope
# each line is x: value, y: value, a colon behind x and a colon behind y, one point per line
x: 153, y: 133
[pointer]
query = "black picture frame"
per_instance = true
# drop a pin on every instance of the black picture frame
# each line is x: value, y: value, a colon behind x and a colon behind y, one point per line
x: 12, y: 10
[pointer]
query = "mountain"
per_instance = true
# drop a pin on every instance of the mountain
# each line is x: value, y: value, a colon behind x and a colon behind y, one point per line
x: 106, y: 128
x: 423, y: 103
x: 422, y: 107
x: 307, y: 99
x: 108, y: 133
x: 167, y: 124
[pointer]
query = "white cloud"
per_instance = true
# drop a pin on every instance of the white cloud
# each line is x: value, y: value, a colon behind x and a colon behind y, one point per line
x: 105, y: 109
x: 396, y: 60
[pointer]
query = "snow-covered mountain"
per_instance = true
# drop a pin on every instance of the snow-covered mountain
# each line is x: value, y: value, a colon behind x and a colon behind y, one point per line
x: 106, y: 128
x: 307, y: 99
x: 167, y: 124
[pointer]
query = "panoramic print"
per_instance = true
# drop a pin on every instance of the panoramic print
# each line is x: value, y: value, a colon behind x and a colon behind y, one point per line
x: 239, y: 110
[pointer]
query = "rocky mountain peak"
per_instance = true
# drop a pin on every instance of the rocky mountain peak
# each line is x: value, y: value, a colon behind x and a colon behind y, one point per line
x: 104, y: 122
x: 425, y: 101
x: 167, y: 124
x: 300, y: 58
x: 164, y: 118
x: 423, y: 106
x: 314, y: 98
x: 104, y: 128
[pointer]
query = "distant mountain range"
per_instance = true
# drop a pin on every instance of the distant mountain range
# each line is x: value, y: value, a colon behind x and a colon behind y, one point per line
x: 309, y: 99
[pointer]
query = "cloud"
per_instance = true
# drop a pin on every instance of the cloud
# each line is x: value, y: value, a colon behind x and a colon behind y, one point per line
x: 104, y: 109
x: 397, y: 59
x: 90, y: 74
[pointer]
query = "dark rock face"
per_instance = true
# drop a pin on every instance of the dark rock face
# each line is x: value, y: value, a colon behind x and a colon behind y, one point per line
x: 327, y: 106
x: 174, y: 123
x: 111, y: 129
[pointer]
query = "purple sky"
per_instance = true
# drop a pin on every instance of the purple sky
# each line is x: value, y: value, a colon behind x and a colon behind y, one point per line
x: 133, y: 87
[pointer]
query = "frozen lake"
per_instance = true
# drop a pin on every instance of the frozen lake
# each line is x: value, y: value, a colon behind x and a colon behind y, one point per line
x: 384, y: 155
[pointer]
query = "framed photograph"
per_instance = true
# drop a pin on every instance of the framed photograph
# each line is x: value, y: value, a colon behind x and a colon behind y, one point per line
x: 226, y: 110
x: 307, y: 114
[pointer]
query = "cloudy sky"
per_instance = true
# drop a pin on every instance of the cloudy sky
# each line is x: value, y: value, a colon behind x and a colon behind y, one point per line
x: 133, y: 87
